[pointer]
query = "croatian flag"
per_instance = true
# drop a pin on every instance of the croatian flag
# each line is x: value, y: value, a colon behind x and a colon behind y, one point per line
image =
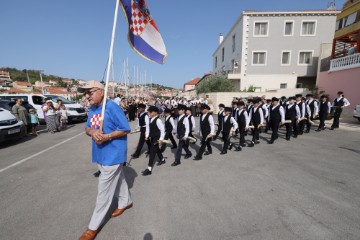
x: 144, y: 36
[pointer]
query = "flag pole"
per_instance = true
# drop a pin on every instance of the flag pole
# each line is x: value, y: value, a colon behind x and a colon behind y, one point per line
x: 109, y: 64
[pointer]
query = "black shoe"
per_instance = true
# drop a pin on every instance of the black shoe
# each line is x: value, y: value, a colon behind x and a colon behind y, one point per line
x: 300, y: 133
x: 161, y: 162
x: 146, y: 172
x: 323, y: 128
x: 271, y: 142
x: 174, y: 164
x: 243, y: 145
x: 238, y: 149
x: 230, y: 146
x: 307, y: 131
x: 257, y: 142
x: 97, y: 174
x: 294, y: 136
x: 252, y: 144
x: 135, y: 156
x: 197, y: 158
x: 332, y: 128
x: 187, y: 156
x: 207, y: 153
x: 287, y: 139
x: 223, y: 152
x: 318, y: 130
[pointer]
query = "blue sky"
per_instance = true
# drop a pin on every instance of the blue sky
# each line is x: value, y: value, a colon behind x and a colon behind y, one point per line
x: 71, y: 38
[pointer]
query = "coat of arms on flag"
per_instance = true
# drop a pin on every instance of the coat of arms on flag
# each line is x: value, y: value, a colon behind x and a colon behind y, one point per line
x: 144, y: 35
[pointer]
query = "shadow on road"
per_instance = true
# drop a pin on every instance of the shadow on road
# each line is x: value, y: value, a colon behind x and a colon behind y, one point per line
x: 148, y: 236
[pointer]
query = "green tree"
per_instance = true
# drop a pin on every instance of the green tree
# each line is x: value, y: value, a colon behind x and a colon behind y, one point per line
x: 215, y: 84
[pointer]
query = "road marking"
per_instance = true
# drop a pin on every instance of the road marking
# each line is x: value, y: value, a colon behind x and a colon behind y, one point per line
x: 41, y: 152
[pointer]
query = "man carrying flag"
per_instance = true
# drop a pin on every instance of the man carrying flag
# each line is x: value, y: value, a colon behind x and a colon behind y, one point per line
x: 109, y: 151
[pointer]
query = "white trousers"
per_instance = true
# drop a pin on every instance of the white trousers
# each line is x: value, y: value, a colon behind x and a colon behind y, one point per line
x: 112, y: 184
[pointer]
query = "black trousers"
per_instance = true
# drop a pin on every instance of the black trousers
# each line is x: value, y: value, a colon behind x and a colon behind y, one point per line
x: 204, y: 143
x: 337, y: 114
x: 154, y: 150
x: 255, y: 133
x: 183, y: 144
x: 301, y: 126
x: 291, y: 128
x: 168, y: 135
x: 242, y: 133
x: 141, y: 143
x: 322, y: 121
x: 226, y: 139
x: 274, y: 125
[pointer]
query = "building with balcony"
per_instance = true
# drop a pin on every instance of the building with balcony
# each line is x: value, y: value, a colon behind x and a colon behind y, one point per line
x: 25, y: 86
x: 274, y: 50
x: 339, y: 68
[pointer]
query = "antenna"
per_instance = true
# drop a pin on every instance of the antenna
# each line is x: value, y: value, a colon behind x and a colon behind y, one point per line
x: 331, y: 5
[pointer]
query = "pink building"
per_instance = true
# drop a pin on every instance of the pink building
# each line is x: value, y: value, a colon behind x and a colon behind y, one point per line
x: 339, y: 65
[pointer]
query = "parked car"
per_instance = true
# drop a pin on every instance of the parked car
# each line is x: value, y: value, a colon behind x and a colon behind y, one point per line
x: 75, y: 111
x: 10, y: 127
x: 6, y: 104
x: 357, y: 112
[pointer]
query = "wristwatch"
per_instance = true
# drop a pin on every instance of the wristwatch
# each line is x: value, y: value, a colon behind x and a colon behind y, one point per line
x: 109, y: 137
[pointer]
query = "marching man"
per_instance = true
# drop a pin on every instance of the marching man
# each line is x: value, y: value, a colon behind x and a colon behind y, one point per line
x: 207, y: 129
x: 339, y: 103
x: 228, y: 125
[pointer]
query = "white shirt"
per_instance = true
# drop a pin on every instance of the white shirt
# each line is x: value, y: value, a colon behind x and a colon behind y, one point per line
x: 316, y: 107
x: 261, y: 114
x: 346, y: 102
x: 192, y: 121
x: 211, y: 122
x: 302, y: 110
x: 171, y: 122
x: 233, y: 122
x: 298, y: 116
x: 282, y: 112
x: 247, y: 119
x: 160, y: 126
x: 186, y: 124
x: 117, y: 100
x: 264, y: 106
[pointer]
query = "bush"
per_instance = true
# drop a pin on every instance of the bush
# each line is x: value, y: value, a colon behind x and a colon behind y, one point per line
x: 214, y: 84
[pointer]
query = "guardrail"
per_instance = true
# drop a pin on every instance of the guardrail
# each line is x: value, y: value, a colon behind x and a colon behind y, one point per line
x: 351, y: 61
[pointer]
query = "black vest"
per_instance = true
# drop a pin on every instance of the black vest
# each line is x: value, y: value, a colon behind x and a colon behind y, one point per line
x: 241, y: 119
x: 205, y: 125
x: 154, y: 130
x: 300, y: 105
x: 339, y: 103
x: 142, y: 119
x: 168, y: 126
x: 255, y: 116
x: 249, y: 108
x: 190, y: 123
x: 262, y: 109
x: 312, y: 107
x: 275, y: 114
x: 220, y: 117
x: 290, y: 113
x: 323, y: 109
x: 234, y: 112
x: 181, y: 127
x: 227, y: 125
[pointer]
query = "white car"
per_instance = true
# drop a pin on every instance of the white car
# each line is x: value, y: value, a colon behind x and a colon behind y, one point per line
x: 357, y: 112
x: 10, y: 127
x: 75, y: 111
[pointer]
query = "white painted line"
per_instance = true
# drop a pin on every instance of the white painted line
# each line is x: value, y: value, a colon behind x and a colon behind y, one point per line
x: 41, y: 152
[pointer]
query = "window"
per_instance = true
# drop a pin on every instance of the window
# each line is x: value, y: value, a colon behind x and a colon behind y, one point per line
x: 308, y: 28
x: 223, y: 54
x: 283, y: 85
x: 37, y: 100
x: 259, y: 58
x: 261, y: 29
x: 233, y: 43
x: 216, y: 62
x: 285, y: 57
x: 288, y: 31
x: 305, y: 58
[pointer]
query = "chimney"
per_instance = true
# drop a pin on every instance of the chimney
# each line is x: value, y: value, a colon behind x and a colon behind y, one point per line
x: 221, y: 38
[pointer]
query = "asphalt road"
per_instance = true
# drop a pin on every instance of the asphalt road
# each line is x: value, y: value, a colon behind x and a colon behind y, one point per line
x: 308, y: 188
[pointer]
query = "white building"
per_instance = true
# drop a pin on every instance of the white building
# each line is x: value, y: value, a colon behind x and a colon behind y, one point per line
x: 274, y: 50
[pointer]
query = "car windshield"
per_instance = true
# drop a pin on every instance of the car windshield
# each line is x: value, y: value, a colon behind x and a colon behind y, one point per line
x: 54, y: 98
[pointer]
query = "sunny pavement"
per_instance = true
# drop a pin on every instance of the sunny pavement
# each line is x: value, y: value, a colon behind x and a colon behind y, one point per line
x: 308, y: 188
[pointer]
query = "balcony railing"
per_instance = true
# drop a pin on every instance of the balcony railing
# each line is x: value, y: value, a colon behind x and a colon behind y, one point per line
x: 351, y: 61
